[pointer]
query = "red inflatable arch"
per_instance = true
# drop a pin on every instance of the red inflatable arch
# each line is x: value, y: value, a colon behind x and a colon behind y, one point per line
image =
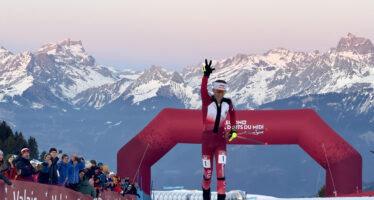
x: 343, y: 164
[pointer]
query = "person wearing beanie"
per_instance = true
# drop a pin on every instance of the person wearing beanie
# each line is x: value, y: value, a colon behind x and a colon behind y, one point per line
x: 24, y: 168
x: 100, y: 165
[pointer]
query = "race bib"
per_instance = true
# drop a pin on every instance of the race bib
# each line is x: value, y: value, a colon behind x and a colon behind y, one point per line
x: 206, y: 161
x: 222, y: 157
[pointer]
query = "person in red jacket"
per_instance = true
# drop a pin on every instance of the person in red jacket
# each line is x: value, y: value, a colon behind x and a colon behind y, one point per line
x: 215, y: 110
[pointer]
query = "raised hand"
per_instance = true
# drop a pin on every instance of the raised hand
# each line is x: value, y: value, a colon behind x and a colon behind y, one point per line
x: 207, y: 69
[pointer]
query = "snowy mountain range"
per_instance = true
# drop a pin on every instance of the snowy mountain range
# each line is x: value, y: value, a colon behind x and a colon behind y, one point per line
x: 64, y: 71
x: 61, y: 96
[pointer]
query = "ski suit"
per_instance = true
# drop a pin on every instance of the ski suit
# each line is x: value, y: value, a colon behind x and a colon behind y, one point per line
x: 213, y: 137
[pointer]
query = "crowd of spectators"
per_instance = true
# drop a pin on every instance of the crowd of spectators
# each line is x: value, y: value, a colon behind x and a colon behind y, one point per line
x: 75, y: 173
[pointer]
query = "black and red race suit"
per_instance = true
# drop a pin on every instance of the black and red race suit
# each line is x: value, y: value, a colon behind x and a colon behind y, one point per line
x: 213, y: 137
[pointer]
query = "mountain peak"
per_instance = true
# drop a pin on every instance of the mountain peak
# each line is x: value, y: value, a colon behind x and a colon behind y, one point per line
x: 357, y: 44
x: 278, y: 50
x: 69, y: 42
x: 4, y: 50
x: 4, y: 53
x: 60, y: 46
x: 155, y: 73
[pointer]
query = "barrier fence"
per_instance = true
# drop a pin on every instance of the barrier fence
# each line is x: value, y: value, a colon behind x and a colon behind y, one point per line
x: 35, y: 191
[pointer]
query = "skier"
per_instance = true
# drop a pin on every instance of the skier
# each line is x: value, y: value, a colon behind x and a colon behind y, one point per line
x: 215, y: 109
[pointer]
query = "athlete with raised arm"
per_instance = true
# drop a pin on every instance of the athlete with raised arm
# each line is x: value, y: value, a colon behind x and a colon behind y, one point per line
x: 215, y: 110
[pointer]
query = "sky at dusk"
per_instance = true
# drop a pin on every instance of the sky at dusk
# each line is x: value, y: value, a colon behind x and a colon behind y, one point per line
x: 174, y: 34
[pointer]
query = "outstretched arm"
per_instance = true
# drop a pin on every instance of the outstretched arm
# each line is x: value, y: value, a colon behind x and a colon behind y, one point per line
x: 207, y: 69
x: 205, y: 98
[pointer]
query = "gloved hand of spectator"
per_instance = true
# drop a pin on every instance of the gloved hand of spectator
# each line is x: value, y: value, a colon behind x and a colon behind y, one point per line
x: 207, y: 69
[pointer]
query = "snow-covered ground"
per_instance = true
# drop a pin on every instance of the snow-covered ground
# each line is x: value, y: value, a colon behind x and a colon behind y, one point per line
x: 233, y: 195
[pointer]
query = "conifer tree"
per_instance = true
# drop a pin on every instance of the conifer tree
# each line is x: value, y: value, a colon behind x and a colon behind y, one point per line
x: 33, y: 146
x: 12, y: 143
x: 5, y: 131
x: 20, y: 142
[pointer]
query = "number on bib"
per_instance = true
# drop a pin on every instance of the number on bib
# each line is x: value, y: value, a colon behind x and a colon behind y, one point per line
x: 222, y: 158
x: 206, y: 162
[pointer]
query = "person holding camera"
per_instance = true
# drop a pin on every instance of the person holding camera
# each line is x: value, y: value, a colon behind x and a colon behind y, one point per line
x: 53, y: 168
x: 76, y: 163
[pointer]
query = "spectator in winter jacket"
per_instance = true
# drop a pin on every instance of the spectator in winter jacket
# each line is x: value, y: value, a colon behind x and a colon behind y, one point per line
x: 110, y: 179
x: 10, y: 171
x: 131, y: 189
x: 91, y: 171
x: 134, y: 190
x: 63, y: 169
x: 2, y: 168
x: 44, y: 174
x: 24, y: 168
x: 126, y: 182
x: 76, y: 163
x: 53, y: 171
x: 97, y: 180
x: 84, y: 187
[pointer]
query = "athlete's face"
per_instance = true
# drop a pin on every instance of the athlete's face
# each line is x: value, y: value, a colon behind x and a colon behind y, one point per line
x: 218, y: 94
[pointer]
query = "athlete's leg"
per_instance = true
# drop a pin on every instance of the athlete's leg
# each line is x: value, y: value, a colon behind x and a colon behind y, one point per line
x: 221, y: 157
x: 207, y: 159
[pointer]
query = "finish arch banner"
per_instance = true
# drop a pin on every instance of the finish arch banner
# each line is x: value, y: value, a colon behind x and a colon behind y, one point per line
x: 303, y: 127
x: 36, y: 191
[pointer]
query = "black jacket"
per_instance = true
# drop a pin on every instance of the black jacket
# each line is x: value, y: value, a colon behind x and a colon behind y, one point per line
x: 44, y: 174
x: 27, y: 170
x: 53, y: 171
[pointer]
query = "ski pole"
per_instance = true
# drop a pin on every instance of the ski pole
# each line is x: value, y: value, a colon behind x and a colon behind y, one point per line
x: 254, y: 132
x: 235, y: 135
x: 253, y: 140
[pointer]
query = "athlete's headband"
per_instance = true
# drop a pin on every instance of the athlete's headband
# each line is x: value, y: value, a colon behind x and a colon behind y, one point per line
x: 219, y: 86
